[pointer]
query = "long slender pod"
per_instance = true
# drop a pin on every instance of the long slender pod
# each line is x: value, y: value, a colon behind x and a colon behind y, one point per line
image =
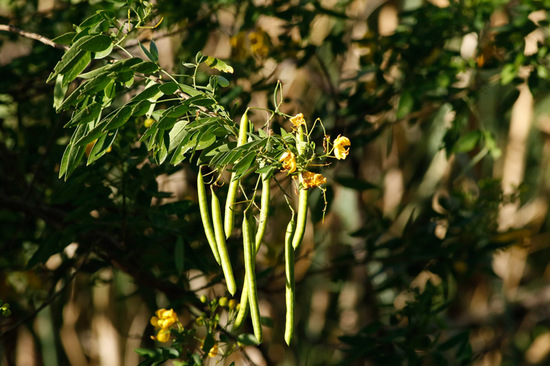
x: 289, y: 283
x: 249, y: 266
x: 243, y: 306
x: 303, y: 198
x: 205, y: 217
x: 264, y: 210
x: 229, y: 216
x: 221, y: 244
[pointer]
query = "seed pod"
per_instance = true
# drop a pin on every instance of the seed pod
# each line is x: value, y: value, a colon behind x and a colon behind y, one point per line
x: 205, y: 216
x: 243, y: 306
x: 249, y: 266
x: 221, y: 244
x: 264, y: 210
x: 289, y: 283
x: 229, y: 216
x: 303, y: 198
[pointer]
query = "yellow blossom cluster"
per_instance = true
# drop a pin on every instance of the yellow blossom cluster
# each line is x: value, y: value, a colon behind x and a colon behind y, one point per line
x: 163, y: 320
x: 254, y: 43
x: 312, y: 180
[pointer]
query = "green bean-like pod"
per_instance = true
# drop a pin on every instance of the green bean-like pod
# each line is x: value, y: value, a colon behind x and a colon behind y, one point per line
x: 303, y: 197
x: 264, y: 210
x: 229, y: 216
x: 250, y: 275
x: 289, y: 283
x: 221, y: 244
x: 243, y: 306
x: 205, y: 217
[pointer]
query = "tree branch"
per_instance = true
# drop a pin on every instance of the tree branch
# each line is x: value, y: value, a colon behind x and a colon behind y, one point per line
x: 30, y: 35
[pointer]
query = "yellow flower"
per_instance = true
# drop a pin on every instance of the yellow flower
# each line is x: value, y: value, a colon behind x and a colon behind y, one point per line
x: 164, y: 319
x: 340, y: 150
x: 289, y: 161
x: 232, y: 304
x: 163, y: 336
x: 298, y: 120
x: 259, y: 43
x: 312, y: 180
x: 213, y: 351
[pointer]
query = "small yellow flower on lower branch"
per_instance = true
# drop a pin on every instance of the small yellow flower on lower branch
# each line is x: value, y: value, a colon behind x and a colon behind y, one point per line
x: 289, y: 161
x: 163, y: 336
x: 164, y: 319
x: 340, y: 145
x: 312, y: 180
x: 298, y: 120
x: 213, y: 351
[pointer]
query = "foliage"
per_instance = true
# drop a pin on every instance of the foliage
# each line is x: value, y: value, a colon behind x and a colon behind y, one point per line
x: 415, y: 281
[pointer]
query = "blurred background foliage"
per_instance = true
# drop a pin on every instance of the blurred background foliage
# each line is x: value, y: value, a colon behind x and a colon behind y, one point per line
x: 435, y: 246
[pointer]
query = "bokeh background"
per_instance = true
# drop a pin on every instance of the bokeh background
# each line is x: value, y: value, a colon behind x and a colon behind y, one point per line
x: 435, y: 244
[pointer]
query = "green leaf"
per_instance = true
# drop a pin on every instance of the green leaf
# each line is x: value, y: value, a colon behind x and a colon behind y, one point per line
x: 223, y: 82
x: 129, y: 63
x: 91, y: 21
x: 73, y: 153
x: 96, y: 72
x: 166, y: 123
x: 148, y: 53
x: 59, y: 91
x: 189, y: 90
x: 154, y: 50
x: 65, y: 39
x: 406, y: 104
x: 101, y: 146
x: 80, y: 64
x: 151, y: 131
x: 467, y: 142
x: 96, y: 84
x: 205, y: 140
x: 120, y: 118
x: 91, y: 136
x: 70, y: 57
x: 72, y: 98
x: 247, y: 339
x: 106, y: 52
x: 244, y: 164
x: 141, y: 108
x: 508, y: 73
x: 146, y: 68
x: 218, y: 64
x: 86, y: 114
x: 97, y: 43
x: 148, y: 93
x: 169, y: 88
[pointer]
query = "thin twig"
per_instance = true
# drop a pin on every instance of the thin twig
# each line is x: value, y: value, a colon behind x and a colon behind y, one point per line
x: 30, y: 35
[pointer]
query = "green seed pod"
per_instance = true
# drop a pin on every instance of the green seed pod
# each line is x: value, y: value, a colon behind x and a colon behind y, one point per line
x: 289, y: 283
x: 222, y: 246
x: 303, y: 197
x: 249, y: 265
x: 205, y: 216
x: 229, y: 217
x: 264, y: 210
